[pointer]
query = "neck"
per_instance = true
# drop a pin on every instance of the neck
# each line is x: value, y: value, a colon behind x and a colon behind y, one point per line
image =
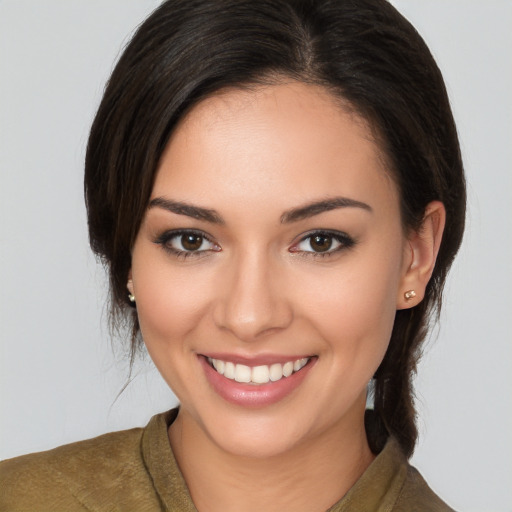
x: 222, y: 481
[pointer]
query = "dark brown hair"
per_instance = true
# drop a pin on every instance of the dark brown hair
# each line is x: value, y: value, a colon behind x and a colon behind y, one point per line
x: 362, y: 51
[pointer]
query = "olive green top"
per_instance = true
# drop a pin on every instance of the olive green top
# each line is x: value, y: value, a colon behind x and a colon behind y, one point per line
x: 135, y: 470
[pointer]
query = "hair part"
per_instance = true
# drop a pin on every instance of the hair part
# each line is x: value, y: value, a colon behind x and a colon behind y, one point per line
x: 364, y: 53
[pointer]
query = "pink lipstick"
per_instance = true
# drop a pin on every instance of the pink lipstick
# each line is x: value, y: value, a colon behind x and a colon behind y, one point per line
x: 255, y: 382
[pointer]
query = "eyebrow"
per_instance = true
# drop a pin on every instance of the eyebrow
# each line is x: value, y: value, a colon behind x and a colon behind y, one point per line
x: 293, y: 215
x: 196, y: 212
x: 312, y: 209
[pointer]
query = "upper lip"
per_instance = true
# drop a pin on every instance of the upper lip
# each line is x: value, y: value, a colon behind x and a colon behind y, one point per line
x: 255, y: 360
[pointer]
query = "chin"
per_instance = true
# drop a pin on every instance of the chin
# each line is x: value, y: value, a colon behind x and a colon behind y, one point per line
x: 257, y: 439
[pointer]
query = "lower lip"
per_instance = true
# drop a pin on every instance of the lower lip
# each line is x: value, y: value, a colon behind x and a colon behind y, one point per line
x: 254, y: 395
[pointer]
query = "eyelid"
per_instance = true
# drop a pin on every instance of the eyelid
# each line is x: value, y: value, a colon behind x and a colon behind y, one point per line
x: 164, y: 238
x: 345, y: 241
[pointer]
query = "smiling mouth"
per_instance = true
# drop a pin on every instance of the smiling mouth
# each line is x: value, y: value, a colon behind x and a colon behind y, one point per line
x: 262, y: 374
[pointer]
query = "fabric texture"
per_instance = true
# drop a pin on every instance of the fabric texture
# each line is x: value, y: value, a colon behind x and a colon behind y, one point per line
x: 135, y: 470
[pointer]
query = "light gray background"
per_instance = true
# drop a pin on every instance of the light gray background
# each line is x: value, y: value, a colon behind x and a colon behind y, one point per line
x: 59, y: 376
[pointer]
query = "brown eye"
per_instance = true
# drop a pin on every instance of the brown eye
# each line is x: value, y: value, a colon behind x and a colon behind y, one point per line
x: 186, y: 243
x: 191, y: 241
x: 321, y: 243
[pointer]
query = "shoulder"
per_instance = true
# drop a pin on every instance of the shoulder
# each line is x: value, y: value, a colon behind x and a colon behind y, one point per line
x: 77, y: 476
x: 416, y: 495
x: 390, y: 483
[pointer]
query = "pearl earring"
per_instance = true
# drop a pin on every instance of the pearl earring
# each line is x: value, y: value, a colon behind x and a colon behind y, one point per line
x: 131, y: 297
x: 410, y: 294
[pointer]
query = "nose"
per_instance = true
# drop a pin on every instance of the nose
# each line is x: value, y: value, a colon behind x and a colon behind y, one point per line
x: 253, y: 299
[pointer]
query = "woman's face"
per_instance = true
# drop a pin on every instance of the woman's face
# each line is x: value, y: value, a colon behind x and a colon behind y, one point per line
x: 272, y: 249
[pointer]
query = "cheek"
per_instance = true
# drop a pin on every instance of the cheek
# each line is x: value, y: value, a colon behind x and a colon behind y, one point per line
x: 170, y: 303
x: 354, y: 305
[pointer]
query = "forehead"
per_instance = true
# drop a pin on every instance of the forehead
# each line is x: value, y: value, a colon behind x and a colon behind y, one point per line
x: 289, y: 142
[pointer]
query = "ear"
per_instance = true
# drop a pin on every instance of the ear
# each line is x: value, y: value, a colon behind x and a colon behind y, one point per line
x: 420, y: 256
x: 129, y: 283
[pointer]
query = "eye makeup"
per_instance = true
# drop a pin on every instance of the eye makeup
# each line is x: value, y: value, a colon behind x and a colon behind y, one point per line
x: 187, y: 243
x: 323, y: 243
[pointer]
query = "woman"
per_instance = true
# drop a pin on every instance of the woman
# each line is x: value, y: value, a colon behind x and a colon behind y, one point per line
x: 277, y: 191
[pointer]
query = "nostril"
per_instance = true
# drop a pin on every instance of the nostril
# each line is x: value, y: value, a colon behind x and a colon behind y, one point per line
x: 250, y: 303
x: 253, y: 323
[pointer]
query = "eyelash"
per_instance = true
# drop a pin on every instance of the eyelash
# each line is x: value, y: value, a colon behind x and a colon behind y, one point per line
x: 345, y: 242
x: 165, y: 239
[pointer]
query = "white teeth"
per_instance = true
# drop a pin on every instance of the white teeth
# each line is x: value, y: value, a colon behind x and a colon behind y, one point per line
x: 288, y: 369
x: 229, y: 370
x: 257, y: 374
x: 219, y: 365
x: 276, y: 372
x: 242, y: 373
x: 260, y: 374
x: 300, y: 363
